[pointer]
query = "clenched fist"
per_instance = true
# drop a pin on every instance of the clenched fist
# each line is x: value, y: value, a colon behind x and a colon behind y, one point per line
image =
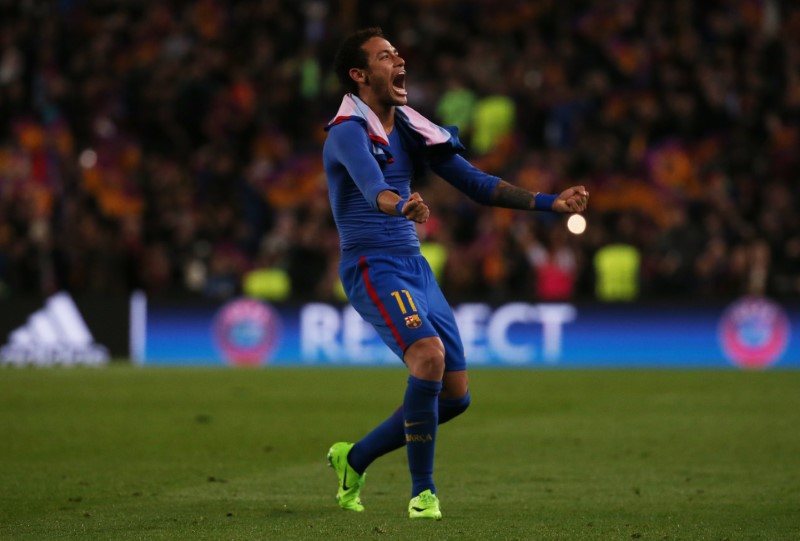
x: 574, y: 199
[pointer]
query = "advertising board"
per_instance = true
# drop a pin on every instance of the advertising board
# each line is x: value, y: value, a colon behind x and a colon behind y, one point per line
x: 752, y: 333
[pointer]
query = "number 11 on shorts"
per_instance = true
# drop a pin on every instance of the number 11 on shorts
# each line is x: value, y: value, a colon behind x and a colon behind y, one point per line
x: 401, y: 304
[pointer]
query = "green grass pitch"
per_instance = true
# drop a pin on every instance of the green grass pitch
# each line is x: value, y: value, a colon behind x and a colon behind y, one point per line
x: 142, y: 453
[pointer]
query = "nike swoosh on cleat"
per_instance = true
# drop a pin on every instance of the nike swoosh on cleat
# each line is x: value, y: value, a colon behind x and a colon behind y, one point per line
x: 418, y: 509
x: 344, y: 480
x: 407, y: 424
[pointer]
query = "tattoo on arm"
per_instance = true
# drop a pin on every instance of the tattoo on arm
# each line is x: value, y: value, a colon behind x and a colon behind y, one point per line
x: 512, y: 197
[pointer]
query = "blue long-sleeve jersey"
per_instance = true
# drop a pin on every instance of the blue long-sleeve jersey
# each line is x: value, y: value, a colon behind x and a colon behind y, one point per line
x: 355, y: 178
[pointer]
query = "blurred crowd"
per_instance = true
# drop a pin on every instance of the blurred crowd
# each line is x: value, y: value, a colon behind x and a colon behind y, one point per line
x: 175, y: 146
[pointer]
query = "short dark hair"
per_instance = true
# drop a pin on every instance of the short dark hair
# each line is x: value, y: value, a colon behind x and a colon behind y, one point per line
x: 351, y: 55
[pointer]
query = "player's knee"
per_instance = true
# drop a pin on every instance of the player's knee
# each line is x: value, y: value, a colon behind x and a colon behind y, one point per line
x: 429, y: 366
x: 425, y: 359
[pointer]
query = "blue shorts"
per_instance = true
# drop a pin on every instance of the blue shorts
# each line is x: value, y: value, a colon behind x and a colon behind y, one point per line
x: 399, y: 296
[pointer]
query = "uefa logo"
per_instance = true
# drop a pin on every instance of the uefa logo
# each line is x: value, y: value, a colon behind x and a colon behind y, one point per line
x: 754, y: 332
x: 246, y: 331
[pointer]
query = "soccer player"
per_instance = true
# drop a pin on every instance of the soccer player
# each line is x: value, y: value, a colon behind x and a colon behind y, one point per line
x: 375, y: 146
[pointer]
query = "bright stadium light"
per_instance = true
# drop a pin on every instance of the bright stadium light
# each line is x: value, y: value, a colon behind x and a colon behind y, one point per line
x: 576, y: 224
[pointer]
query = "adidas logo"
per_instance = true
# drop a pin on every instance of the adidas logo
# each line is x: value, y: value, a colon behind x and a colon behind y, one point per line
x: 54, y: 335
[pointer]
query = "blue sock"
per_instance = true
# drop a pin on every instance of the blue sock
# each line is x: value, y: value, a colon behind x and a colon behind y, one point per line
x: 421, y: 417
x: 390, y: 435
x: 452, y: 408
x: 384, y: 438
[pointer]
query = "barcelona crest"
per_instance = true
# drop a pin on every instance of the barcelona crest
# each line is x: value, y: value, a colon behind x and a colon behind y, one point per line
x: 413, y: 321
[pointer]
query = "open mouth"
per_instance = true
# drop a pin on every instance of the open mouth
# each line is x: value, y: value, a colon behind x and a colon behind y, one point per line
x: 399, y: 83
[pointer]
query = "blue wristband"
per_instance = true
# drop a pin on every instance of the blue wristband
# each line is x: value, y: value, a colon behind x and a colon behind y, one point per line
x: 399, y: 206
x: 544, y: 201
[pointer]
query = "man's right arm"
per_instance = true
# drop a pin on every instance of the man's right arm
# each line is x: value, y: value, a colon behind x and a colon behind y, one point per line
x: 349, y: 145
x: 412, y: 208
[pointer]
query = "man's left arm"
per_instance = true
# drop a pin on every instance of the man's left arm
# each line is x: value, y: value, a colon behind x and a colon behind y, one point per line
x: 493, y: 191
x: 573, y: 199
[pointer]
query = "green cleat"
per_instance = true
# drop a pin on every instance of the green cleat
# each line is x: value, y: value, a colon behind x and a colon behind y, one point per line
x: 350, y: 482
x: 426, y: 505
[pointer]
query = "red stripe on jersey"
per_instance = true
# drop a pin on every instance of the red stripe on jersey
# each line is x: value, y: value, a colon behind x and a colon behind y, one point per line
x: 362, y: 264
